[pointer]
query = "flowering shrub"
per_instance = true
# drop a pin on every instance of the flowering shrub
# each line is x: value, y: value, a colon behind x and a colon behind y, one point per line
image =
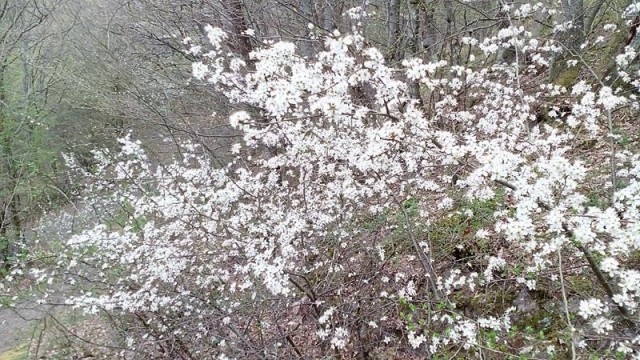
x: 325, y: 235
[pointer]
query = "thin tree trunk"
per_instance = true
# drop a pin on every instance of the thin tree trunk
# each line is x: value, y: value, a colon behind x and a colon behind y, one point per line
x: 328, y: 21
x: 450, y: 27
x: 240, y: 41
x: 416, y: 39
x: 305, y: 8
x: 395, y: 36
x: 5, y: 244
x: 429, y: 29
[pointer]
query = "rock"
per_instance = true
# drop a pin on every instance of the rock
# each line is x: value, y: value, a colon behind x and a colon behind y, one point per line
x: 525, y: 304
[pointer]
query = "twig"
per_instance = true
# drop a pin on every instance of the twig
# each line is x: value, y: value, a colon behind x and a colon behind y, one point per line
x: 592, y: 264
x: 566, y: 304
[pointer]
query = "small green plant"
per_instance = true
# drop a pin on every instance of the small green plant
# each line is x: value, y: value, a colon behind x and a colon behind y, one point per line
x: 623, y: 139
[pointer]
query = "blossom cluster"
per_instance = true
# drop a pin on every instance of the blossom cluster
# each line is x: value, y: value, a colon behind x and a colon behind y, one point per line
x: 333, y: 140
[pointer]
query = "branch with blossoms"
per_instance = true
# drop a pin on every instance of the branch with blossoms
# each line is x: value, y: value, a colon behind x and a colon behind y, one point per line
x: 368, y: 225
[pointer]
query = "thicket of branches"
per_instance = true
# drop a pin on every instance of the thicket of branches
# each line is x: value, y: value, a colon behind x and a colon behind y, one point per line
x: 401, y: 181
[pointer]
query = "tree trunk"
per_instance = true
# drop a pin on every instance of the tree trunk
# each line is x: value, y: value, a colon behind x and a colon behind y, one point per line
x: 395, y: 36
x: 328, y: 21
x: 305, y: 8
x: 5, y: 244
x: 240, y: 42
x: 429, y: 29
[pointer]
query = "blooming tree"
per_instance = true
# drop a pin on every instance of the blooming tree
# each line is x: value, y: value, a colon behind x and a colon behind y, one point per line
x: 321, y: 238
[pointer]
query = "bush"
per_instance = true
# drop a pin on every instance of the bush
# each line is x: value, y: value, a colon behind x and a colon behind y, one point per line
x: 375, y: 225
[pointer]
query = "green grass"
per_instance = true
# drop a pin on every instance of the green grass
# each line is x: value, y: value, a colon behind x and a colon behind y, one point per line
x: 17, y: 353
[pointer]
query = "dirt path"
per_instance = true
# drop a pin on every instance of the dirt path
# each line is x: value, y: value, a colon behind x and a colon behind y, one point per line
x: 18, y: 324
x: 12, y: 330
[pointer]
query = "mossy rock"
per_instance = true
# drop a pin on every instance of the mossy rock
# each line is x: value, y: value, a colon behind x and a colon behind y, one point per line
x: 633, y: 261
x: 567, y: 77
x: 494, y: 301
